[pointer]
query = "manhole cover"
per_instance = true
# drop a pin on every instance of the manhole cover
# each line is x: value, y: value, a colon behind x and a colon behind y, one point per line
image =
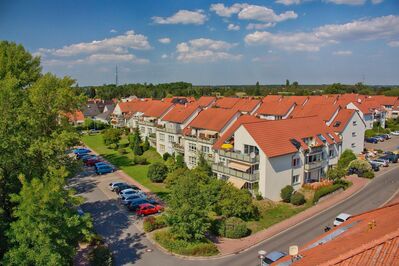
x: 148, y: 250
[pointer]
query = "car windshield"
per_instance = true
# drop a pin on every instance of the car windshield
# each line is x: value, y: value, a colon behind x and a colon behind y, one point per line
x: 267, y: 261
x: 340, y: 220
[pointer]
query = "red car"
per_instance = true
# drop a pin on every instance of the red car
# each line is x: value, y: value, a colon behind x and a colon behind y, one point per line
x: 92, y: 161
x: 147, y: 209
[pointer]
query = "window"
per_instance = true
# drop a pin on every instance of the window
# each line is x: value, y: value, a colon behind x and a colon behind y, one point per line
x: 331, y: 153
x: 205, y: 149
x: 295, y: 180
x: 142, y: 129
x: 149, y: 130
x: 354, y: 134
x: 192, y: 160
x: 192, y: 146
x: 353, y: 145
x: 248, y: 149
x: 171, y: 138
x: 161, y: 147
x: 354, y: 123
x: 161, y: 137
x: 295, y: 162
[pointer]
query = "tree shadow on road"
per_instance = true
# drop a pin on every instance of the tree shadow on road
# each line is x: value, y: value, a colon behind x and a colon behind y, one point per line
x: 80, y: 186
x: 121, y: 235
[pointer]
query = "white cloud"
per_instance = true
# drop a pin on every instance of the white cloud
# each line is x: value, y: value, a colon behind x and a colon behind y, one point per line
x: 113, y: 31
x: 118, y: 44
x: 393, y: 43
x: 205, y: 50
x: 342, y: 53
x: 225, y: 11
x: 183, y: 17
x: 231, y: 26
x: 164, y: 40
x: 288, y: 2
x: 98, y: 58
x: 347, y: 2
x: 264, y: 14
x: 375, y: 2
x: 164, y: 56
x: 260, y: 26
x: 372, y: 29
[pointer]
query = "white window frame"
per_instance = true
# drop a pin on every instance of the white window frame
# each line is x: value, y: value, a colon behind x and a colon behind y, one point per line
x: 205, y: 149
x: 295, y: 180
x: 171, y: 138
x: 192, y: 147
x: 192, y: 160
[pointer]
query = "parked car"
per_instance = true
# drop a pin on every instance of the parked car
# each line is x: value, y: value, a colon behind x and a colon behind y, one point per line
x: 116, y: 184
x: 125, y: 186
x: 129, y: 191
x: 126, y: 200
x: 104, y: 169
x: 375, y: 167
x: 87, y: 157
x: 134, y: 204
x: 81, y: 151
x: 392, y: 153
x: 380, y: 138
x: 342, y: 217
x: 100, y: 164
x: 147, y: 209
x: 395, y: 133
x: 392, y: 158
x: 371, y: 140
x: 380, y: 162
x: 272, y: 257
x: 92, y: 161
x: 386, y: 136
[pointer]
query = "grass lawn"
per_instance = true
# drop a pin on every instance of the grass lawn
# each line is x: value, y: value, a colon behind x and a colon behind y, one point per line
x: 123, y: 161
x: 274, y: 212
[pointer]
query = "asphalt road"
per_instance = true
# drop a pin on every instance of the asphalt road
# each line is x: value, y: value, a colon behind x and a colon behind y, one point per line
x: 130, y: 247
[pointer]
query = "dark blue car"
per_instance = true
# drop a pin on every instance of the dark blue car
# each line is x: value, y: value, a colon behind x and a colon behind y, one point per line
x: 81, y: 151
x: 371, y: 140
x: 104, y: 169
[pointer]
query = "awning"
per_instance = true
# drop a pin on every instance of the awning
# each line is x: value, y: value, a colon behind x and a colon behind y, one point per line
x: 227, y: 146
x: 239, y: 166
x: 237, y: 182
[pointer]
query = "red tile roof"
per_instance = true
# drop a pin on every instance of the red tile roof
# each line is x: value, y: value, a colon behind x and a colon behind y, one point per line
x: 274, y: 136
x: 384, y: 100
x: 230, y: 132
x: 324, y: 111
x: 280, y: 108
x: 370, y: 238
x: 134, y: 106
x: 299, y: 100
x: 157, y: 108
x: 205, y: 101
x: 342, y: 119
x: 247, y: 104
x: 213, y: 119
x: 367, y: 107
x: 271, y: 98
x: 180, y: 113
x: 322, y: 99
x: 226, y: 102
x: 76, y: 116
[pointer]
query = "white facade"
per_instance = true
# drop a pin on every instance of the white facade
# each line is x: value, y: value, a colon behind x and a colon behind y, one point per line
x: 353, y: 134
x: 277, y: 117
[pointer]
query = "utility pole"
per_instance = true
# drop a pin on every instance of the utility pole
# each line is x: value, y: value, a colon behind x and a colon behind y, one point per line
x: 116, y: 75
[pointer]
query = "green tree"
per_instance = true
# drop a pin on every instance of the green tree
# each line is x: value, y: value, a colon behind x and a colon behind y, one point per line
x: 135, y: 142
x: 203, y: 165
x: 146, y: 145
x: 286, y: 193
x: 157, y: 172
x: 346, y: 157
x: 172, y: 177
x: 188, y: 208
x: 48, y: 227
x: 112, y: 136
x: 287, y: 84
x: 180, y: 161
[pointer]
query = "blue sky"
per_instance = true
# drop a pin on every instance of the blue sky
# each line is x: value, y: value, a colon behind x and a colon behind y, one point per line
x: 210, y: 42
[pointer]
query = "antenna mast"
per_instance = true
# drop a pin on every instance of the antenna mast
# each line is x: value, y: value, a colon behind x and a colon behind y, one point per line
x: 116, y: 75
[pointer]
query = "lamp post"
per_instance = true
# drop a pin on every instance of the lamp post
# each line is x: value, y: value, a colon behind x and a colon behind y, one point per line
x: 261, y: 256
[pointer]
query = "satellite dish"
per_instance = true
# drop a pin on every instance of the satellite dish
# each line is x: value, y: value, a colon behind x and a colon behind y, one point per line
x: 293, y: 250
x: 252, y: 155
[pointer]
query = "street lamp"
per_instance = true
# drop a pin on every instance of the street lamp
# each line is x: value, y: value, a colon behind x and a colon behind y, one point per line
x: 261, y: 256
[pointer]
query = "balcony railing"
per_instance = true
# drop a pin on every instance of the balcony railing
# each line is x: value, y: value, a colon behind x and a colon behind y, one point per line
x: 232, y: 172
x: 313, y: 165
x: 210, y: 141
x: 169, y: 130
x: 147, y: 123
x: 179, y: 148
x: 152, y: 137
x: 239, y: 156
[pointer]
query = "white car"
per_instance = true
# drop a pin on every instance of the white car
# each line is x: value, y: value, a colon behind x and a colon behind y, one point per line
x: 128, y: 192
x: 342, y: 217
x: 380, y: 162
x: 395, y: 133
x: 113, y: 185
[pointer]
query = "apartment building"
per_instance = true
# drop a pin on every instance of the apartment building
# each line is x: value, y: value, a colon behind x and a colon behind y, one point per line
x: 169, y: 137
x: 276, y: 110
x: 269, y: 155
x: 350, y: 127
x: 370, y: 111
x: 203, y: 131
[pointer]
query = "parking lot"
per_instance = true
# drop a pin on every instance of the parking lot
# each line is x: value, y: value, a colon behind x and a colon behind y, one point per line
x: 388, y: 145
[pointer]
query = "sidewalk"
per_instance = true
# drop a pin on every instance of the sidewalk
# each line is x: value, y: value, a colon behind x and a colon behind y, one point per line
x: 231, y: 246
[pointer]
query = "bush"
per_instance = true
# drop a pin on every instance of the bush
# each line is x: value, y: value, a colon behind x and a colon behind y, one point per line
x: 233, y: 227
x: 113, y: 146
x: 157, y: 172
x: 101, y: 256
x: 368, y: 174
x: 165, y: 156
x: 344, y: 183
x: 286, y: 193
x: 140, y: 160
x: 112, y: 136
x: 335, y: 173
x: 360, y: 165
x: 187, y: 248
x: 258, y: 196
x: 325, y: 191
x: 297, y: 199
x: 346, y: 157
x: 174, y: 175
x: 122, y: 151
x: 152, y: 223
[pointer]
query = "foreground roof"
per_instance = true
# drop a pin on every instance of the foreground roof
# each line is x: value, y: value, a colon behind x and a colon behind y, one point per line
x: 341, y: 120
x: 226, y: 102
x: 275, y: 108
x: 324, y: 111
x: 157, y: 108
x: 279, y: 137
x: 213, y: 119
x: 180, y: 113
x: 370, y: 238
x: 205, y: 101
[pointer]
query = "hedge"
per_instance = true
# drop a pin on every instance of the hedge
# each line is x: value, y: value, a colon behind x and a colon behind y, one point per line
x: 152, y: 223
x: 297, y: 199
x: 325, y: 191
x: 233, y: 227
x: 286, y: 193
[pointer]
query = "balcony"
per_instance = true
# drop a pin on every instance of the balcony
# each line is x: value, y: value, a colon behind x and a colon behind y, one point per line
x: 152, y: 137
x: 231, y: 172
x: 313, y: 165
x: 147, y: 123
x: 178, y: 148
x: 169, y: 130
x: 239, y: 156
x: 209, y: 141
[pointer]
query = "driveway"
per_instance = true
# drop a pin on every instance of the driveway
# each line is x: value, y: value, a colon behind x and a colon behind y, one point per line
x: 388, y: 145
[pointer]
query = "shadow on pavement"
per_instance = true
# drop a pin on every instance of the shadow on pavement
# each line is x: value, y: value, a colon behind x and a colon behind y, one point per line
x: 113, y: 223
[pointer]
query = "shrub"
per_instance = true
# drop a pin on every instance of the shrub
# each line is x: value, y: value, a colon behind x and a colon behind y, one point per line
x: 297, y: 199
x: 146, y: 144
x: 344, y: 183
x: 188, y: 248
x: 368, y: 174
x: 101, y: 256
x: 152, y: 223
x: 165, y: 156
x: 140, y: 160
x: 174, y: 175
x: 335, y: 173
x: 112, y: 136
x: 122, y: 151
x: 346, y: 157
x: 286, y: 193
x: 233, y: 227
x: 113, y: 146
x: 360, y: 165
x: 258, y: 196
x: 325, y: 191
x: 157, y: 172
